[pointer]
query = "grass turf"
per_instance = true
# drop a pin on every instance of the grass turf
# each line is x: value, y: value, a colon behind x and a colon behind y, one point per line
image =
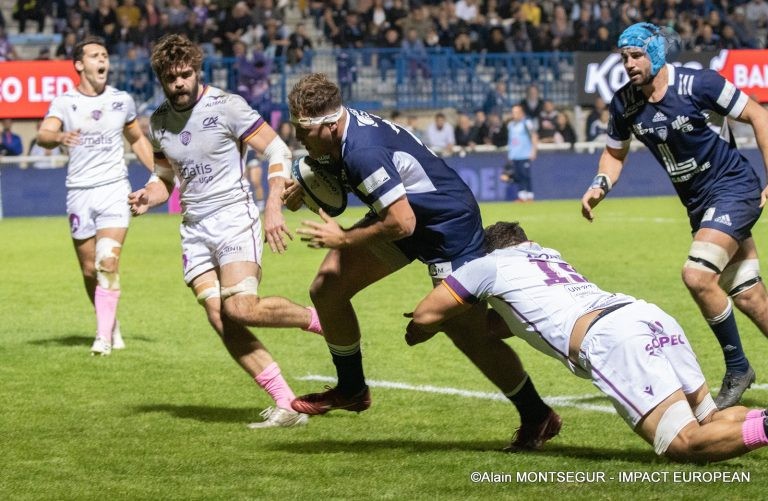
x: 165, y: 418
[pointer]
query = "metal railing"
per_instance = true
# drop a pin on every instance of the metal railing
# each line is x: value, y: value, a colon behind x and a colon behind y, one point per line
x: 383, y: 78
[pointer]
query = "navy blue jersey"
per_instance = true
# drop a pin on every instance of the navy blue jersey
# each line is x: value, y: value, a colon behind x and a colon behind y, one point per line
x: 688, y: 134
x: 382, y: 162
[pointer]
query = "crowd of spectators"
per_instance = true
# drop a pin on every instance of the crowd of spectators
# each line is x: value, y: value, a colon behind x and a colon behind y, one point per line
x: 491, y: 26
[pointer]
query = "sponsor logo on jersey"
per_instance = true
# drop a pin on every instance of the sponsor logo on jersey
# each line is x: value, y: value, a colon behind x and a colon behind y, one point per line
x: 231, y: 249
x: 639, y: 130
x: 724, y: 219
x: 440, y: 270
x: 682, y: 123
x: 185, y: 137
x: 662, y: 132
x: 96, y: 114
x: 216, y: 100
x: 708, y: 214
x: 118, y: 106
x: 659, y: 117
x: 210, y: 122
x: 649, y: 390
x: 375, y: 180
x: 661, y: 341
x: 74, y: 107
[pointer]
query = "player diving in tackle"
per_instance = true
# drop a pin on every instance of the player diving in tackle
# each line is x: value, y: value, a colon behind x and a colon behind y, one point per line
x: 633, y: 352
x: 680, y: 114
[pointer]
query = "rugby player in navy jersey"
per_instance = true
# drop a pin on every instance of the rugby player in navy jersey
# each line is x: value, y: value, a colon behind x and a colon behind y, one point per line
x: 680, y: 115
x: 420, y: 210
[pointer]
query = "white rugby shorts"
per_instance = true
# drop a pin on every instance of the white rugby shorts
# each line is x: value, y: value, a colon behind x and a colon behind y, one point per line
x: 92, y: 209
x: 638, y: 356
x: 232, y: 234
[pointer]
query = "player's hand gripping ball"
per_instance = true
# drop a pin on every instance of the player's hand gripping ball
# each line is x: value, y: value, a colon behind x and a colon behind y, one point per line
x: 322, y: 190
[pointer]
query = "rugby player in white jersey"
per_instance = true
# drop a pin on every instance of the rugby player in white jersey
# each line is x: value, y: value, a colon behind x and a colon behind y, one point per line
x: 199, y: 135
x: 636, y: 354
x: 90, y: 121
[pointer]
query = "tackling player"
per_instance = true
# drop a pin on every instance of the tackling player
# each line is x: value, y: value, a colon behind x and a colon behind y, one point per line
x: 633, y: 352
x: 199, y: 135
x: 420, y: 210
x: 680, y: 115
x: 90, y: 121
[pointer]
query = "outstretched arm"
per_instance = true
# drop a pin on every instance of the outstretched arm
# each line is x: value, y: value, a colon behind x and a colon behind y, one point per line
x: 757, y: 116
x: 426, y: 320
x: 608, y: 172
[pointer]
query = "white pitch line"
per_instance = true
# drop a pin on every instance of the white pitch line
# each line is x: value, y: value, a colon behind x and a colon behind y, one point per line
x: 576, y: 401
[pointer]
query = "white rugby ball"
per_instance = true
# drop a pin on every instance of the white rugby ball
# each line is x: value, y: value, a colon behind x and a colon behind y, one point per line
x: 321, y: 188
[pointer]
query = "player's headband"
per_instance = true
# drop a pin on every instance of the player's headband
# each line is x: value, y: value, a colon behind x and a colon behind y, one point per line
x: 310, y: 121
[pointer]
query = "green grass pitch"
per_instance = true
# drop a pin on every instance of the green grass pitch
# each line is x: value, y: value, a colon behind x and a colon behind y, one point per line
x: 165, y: 419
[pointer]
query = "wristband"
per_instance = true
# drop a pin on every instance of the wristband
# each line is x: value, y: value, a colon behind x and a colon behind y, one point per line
x: 603, y: 182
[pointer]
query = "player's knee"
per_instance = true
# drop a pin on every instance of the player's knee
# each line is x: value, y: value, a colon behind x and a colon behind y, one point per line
x: 106, y: 265
x: 698, y: 280
x: 239, y: 301
x: 672, y: 436
x: 742, y: 281
x: 328, y: 288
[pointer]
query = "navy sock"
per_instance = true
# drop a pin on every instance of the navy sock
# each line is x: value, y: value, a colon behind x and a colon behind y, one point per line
x: 727, y: 335
x: 349, y: 371
x: 529, y: 404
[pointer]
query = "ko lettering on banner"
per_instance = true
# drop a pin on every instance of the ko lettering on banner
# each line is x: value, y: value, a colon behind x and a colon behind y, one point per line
x: 28, y: 87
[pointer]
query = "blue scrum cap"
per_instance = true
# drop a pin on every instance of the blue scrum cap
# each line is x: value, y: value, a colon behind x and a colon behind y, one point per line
x: 648, y: 37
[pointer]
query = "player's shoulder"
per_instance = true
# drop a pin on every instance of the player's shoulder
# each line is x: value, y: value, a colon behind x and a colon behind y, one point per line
x: 214, y: 97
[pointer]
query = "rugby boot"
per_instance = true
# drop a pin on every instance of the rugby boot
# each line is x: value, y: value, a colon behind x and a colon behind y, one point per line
x: 332, y: 399
x: 734, y: 386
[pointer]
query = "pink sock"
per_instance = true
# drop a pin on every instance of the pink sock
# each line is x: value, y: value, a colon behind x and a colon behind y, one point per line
x: 314, y: 322
x: 755, y: 414
x: 753, y: 434
x: 106, y: 311
x: 273, y: 383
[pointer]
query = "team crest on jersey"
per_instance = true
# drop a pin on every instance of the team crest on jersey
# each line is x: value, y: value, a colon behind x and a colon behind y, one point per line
x: 185, y: 137
x: 117, y: 105
x: 96, y: 114
x: 661, y: 132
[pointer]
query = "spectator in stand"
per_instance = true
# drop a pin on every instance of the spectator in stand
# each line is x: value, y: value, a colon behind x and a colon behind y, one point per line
x: 397, y: 13
x: 352, y: 33
x: 608, y: 20
x: 447, y: 27
x: 744, y: 29
x: 7, y: 50
x: 439, y: 136
x: 11, y: 144
x: 707, y: 40
x: 299, y: 44
x: 415, y: 54
x: 266, y: 12
x: 33, y: 10
x: 76, y: 25
x: 463, y: 132
x: 103, y: 23
x: 497, y: 132
x: 177, y: 12
x: 333, y: 18
x: 564, y: 133
x: 150, y: 12
x: 418, y: 20
x: 235, y: 25
x: 480, y: 128
x: 532, y: 104
x: 602, y: 42
x: 132, y: 11
x: 547, y: 123
x: 496, y: 100
x: 272, y: 41
x: 66, y: 48
x: 375, y: 19
x: 200, y: 9
x: 391, y: 44
x: 594, y: 114
x: 729, y: 39
x: 757, y: 14
x: 562, y: 30
x: 496, y: 48
x: 598, y: 129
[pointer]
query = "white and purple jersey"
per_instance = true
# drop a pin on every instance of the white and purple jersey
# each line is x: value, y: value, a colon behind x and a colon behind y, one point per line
x: 98, y: 159
x: 538, y: 294
x: 688, y: 134
x: 382, y: 162
x: 206, y: 147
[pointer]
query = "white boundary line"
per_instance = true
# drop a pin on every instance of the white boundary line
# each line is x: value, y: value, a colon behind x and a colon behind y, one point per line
x: 576, y: 401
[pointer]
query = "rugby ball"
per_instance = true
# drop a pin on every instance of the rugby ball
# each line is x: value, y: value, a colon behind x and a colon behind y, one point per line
x: 322, y: 189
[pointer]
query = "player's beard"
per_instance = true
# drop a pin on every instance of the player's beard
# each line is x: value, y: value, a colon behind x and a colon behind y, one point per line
x: 181, y: 101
